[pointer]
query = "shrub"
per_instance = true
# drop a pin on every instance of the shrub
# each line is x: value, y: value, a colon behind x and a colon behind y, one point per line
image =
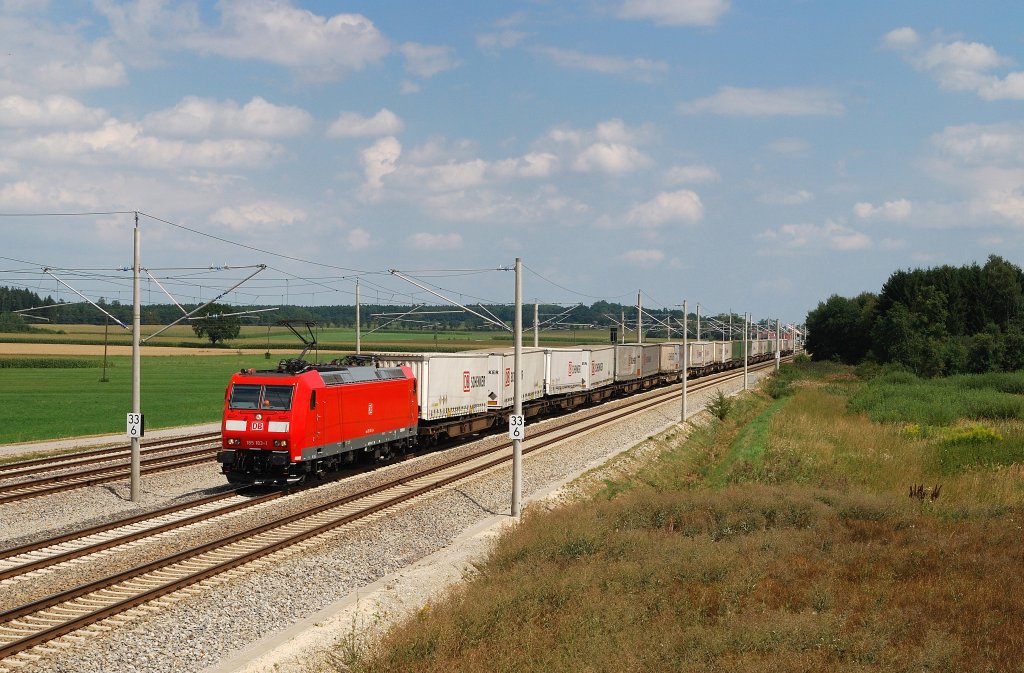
x: 720, y: 406
x: 777, y: 387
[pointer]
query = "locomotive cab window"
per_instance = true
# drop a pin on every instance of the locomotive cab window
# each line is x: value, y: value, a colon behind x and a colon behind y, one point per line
x: 277, y: 397
x: 251, y: 396
x: 245, y: 396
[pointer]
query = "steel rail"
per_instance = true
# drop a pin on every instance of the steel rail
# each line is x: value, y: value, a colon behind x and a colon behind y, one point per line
x: 49, y: 485
x: 35, y: 465
x: 109, y: 592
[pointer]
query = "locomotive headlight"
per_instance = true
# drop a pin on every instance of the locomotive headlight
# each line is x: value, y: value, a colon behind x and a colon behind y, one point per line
x: 281, y: 442
x: 233, y: 441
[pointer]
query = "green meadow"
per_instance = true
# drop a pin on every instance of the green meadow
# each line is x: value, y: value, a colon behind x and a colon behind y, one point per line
x: 49, y: 402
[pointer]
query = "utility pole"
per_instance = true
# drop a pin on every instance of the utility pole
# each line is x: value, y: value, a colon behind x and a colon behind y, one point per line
x: 622, y: 333
x: 686, y: 359
x: 698, y: 322
x: 517, y: 409
x: 778, y: 345
x: 746, y: 343
x: 536, y: 326
x: 136, y: 466
x: 359, y: 343
x: 639, y: 319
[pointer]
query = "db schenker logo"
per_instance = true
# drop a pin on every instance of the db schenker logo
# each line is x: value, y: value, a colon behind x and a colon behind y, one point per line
x: 469, y: 382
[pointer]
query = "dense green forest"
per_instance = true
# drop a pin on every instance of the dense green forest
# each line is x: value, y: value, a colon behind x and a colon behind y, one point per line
x: 938, y: 321
x: 600, y: 314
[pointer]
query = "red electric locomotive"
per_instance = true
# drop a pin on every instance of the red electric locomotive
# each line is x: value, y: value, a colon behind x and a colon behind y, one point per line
x: 300, y: 420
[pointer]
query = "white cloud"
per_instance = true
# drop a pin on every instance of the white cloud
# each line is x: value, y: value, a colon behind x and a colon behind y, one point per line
x: 277, y: 32
x: 424, y: 241
x: 258, y: 215
x: 682, y: 206
x: 455, y: 175
x: 811, y: 238
x: 642, y: 257
x: 505, y: 39
x: 117, y: 141
x: 426, y: 60
x: 799, y: 197
x: 901, y: 38
x: 787, y: 102
x: 900, y: 209
x: 195, y: 116
x: 379, y: 160
x: 1009, y: 205
x: 354, y: 125
x: 18, y: 111
x: 678, y: 175
x: 611, y: 158
x: 531, y: 165
x: 359, y: 239
x: 610, y: 147
x: 98, y: 68
x: 981, y: 143
x: 675, y: 12
x: 486, y: 204
x: 640, y: 69
x: 960, y: 65
x: 31, y: 194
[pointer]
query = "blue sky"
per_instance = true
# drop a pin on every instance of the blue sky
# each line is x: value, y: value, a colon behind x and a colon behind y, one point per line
x: 753, y: 156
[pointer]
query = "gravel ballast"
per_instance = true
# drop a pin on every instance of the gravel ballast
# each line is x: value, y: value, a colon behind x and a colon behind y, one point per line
x: 287, y: 613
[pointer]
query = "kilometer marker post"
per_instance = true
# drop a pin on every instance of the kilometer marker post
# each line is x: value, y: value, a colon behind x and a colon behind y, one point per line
x: 686, y: 361
x: 136, y: 461
x: 516, y: 432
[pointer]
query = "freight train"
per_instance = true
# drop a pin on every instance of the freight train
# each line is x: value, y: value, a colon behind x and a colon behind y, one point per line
x: 302, y: 420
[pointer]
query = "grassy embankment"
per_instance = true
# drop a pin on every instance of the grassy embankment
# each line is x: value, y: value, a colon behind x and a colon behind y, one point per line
x: 785, y: 538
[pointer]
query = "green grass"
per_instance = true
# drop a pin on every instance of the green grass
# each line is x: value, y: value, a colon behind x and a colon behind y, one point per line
x: 746, y: 451
x: 901, y: 397
x: 53, y: 403
x: 810, y: 558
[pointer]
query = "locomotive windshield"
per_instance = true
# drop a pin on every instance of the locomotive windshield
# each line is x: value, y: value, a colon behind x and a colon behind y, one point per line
x: 251, y: 396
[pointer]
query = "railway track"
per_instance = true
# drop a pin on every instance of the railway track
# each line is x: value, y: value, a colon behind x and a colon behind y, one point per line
x: 20, y: 468
x: 79, y: 478
x: 33, y: 624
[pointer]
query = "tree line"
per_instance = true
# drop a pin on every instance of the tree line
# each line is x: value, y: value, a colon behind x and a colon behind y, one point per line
x: 600, y: 314
x: 939, y: 321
